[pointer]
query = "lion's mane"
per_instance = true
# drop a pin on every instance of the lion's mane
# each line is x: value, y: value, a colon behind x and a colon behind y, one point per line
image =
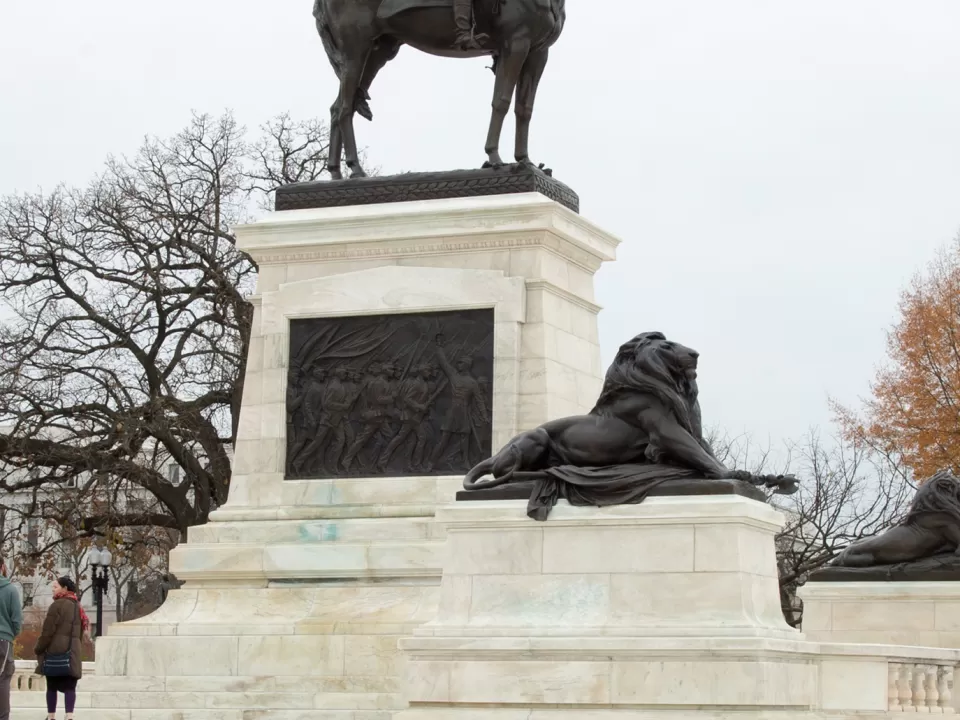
x: 939, y: 494
x: 641, y: 367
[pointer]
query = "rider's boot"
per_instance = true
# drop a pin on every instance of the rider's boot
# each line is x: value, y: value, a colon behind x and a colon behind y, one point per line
x: 462, y: 15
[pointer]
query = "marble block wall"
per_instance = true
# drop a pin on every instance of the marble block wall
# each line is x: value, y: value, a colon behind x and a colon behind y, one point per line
x: 297, y: 592
x: 668, y: 610
x: 887, y: 613
x: 674, y: 566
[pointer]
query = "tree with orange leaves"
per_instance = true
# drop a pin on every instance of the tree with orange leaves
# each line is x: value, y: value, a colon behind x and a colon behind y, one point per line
x: 914, y: 414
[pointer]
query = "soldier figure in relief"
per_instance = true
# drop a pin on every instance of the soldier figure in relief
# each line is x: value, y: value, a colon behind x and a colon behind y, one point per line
x: 311, y: 409
x: 344, y: 436
x: 466, y: 403
x: 337, y: 399
x: 379, y: 400
x: 416, y: 397
x: 486, y: 398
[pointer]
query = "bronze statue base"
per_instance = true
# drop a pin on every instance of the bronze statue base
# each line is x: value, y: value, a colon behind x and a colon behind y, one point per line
x: 671, y: 488
x: 505, y: 180
x: 939, y: 568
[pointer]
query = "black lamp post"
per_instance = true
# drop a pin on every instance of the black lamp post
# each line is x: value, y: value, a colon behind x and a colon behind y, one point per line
x: 99, y: 563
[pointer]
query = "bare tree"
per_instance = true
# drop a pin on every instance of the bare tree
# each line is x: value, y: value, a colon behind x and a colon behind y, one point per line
x: 847, y: 492
x: 740, y: 452
x: 126, y: 350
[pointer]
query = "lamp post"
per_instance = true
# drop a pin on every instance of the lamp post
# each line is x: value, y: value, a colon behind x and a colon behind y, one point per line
x: 99, y: 563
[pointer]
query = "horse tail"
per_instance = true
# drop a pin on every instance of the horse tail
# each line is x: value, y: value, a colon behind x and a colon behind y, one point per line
x: 335, y: 55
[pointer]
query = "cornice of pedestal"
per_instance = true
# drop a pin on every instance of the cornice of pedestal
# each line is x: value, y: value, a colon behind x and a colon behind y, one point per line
x: 446, y: 226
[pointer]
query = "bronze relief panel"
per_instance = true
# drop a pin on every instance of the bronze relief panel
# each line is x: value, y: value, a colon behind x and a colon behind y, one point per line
x: 389, y: 395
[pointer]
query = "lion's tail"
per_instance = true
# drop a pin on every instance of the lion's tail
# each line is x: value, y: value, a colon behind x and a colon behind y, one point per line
x: 473, y: 482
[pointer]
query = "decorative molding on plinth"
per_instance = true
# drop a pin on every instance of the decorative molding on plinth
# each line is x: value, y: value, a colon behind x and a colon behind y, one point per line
x: 407, y: 187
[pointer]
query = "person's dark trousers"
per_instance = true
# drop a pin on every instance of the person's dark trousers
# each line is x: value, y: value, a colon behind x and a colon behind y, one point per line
x: 6, y: 675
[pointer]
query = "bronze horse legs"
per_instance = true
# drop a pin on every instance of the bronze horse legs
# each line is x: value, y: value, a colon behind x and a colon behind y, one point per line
x: 509, y: 67
x: 518, y: 73
x: 385, y: 51
x: 519, y: 67
x: 526, y: 96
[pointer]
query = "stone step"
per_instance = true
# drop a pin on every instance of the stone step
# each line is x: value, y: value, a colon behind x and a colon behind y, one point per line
x: 308, y: 626
x: 297, y: 561
x: 31, y: 713
x: 314, y: 531
x: 291, y: 608
x: 221, y: 700
x: 355, y: 685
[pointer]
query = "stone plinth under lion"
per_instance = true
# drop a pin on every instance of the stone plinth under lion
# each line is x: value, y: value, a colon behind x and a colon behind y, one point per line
x: 664, y: 610
x: 901, y: 586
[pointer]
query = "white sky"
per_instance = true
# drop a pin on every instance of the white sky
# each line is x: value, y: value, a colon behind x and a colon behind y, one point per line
x: 777, y: 170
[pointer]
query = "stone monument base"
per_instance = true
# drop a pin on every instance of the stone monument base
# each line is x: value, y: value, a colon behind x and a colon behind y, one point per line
x: 899, y: 612
x: 298, y: 590
x: 291, y: 609
x: 667, y: 609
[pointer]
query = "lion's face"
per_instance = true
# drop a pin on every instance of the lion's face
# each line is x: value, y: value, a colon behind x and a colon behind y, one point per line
x: 680, y: 359
x: 668, y: 360
x: 649, y: 364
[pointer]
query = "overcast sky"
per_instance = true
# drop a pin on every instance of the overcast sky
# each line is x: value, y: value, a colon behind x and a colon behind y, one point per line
x: 777, y: 170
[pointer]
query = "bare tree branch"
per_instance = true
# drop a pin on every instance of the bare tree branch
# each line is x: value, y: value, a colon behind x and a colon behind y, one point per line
x: 126, y: 347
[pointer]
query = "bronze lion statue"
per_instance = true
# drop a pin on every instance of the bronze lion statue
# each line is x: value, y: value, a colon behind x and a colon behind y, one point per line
x: 930, y: 527
x: 645, y: 430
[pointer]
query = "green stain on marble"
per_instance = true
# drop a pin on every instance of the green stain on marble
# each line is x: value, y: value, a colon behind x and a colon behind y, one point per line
x: 322, y: 532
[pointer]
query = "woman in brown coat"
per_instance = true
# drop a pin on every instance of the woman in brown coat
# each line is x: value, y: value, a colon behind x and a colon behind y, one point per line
x: 64, y: 628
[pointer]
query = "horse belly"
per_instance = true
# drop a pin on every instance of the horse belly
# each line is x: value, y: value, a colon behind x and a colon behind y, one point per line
x: 446, y: 52
x: 428, y: 29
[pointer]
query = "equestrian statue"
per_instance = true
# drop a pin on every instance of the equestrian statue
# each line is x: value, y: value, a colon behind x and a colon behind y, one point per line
x: 361, y: 36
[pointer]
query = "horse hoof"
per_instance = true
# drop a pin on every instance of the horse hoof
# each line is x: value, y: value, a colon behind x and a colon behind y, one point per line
x: 528, y: 164
x: 358, y: 172
x: 335, y: 173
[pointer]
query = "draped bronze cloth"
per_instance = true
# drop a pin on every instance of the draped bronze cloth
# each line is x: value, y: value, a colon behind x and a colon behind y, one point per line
x: 598, y: 486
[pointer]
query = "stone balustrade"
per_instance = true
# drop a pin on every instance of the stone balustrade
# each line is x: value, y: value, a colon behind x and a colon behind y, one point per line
x: 26, y: 680
x: 918, y: 687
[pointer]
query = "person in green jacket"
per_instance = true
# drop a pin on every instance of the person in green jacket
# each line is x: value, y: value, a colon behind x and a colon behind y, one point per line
x: 11, y: 621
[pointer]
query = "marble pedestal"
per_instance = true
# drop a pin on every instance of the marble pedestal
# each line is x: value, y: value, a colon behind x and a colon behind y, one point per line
x: 886, y: 613
x: 287, y: 613
x: 668, y: 609
x: 649, y: 604
x: 298, y: 591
